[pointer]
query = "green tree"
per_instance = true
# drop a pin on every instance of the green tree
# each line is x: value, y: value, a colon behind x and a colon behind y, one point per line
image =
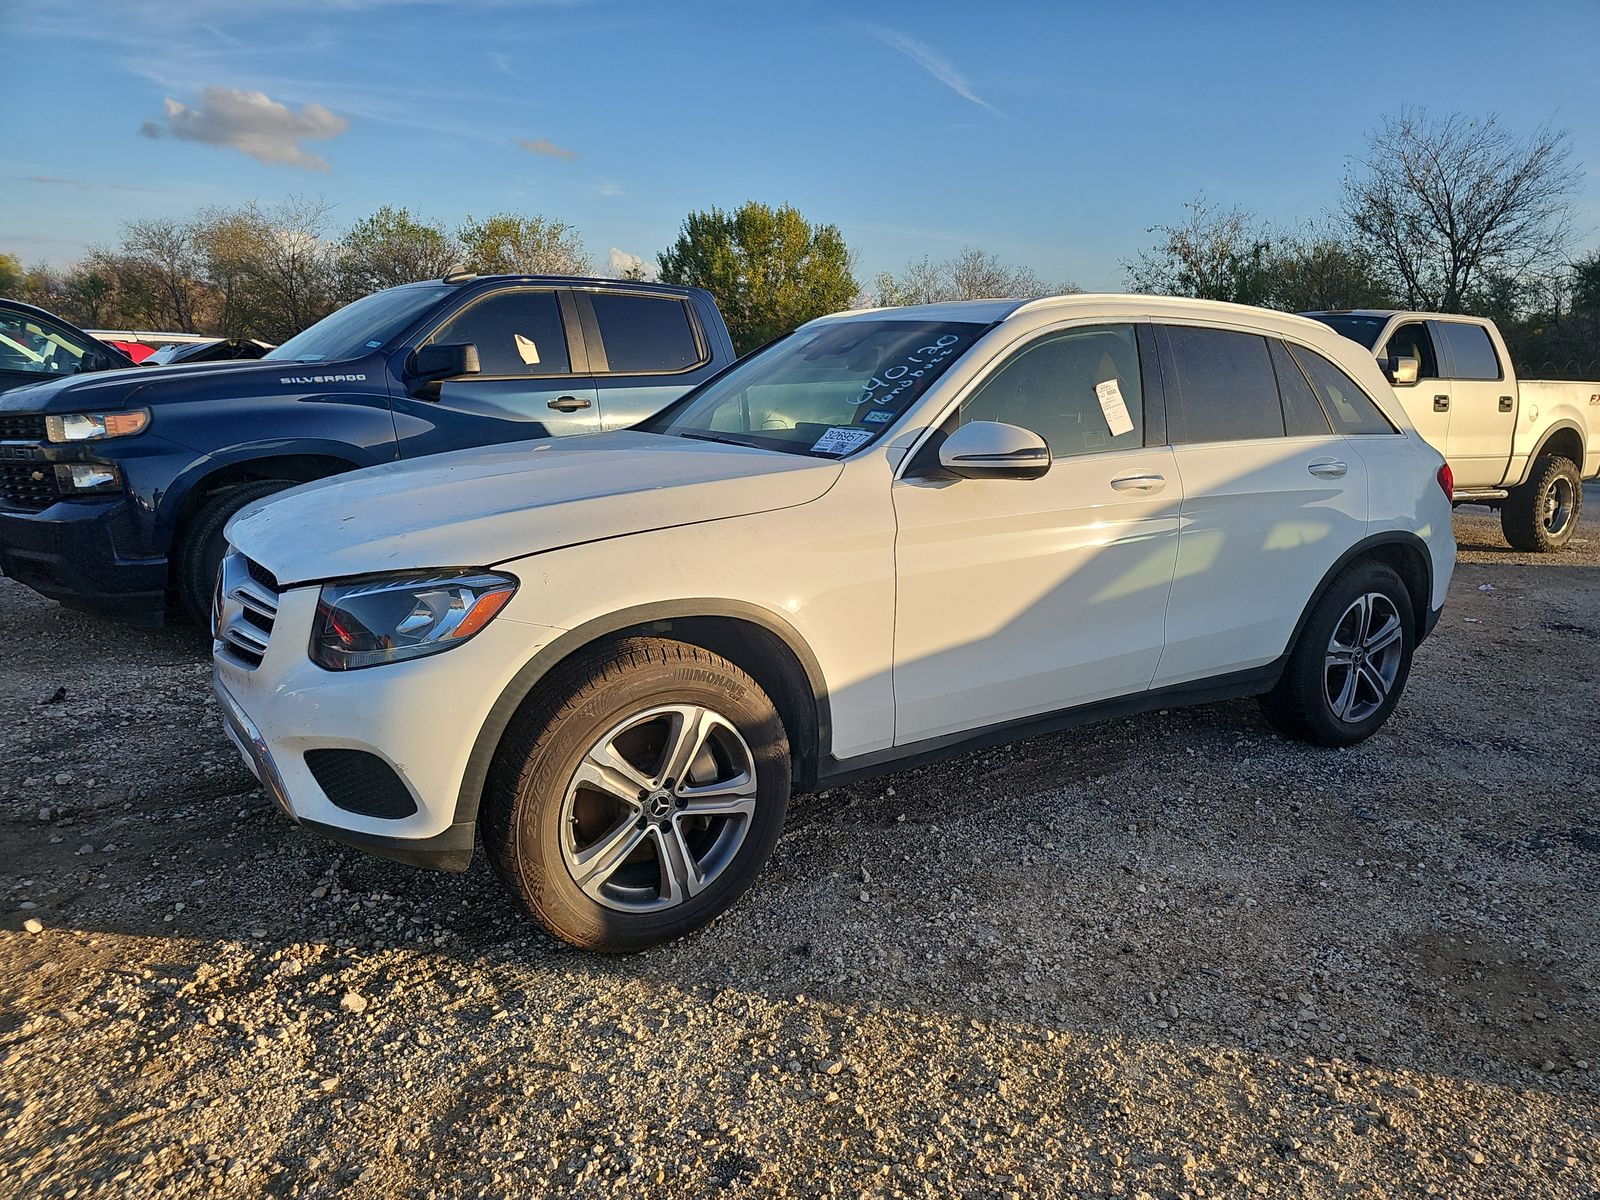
x: 1212, y: 255
x: 510, y: 244
x: 392, y: 247
x: 11, y: 275
x: 1317, y: 270
x: 769, y: 268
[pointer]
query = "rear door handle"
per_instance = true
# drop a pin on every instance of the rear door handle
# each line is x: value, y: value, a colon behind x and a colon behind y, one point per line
x: 1139, y: 483
x: 1441, y: 404
x: 1327, y: 468
x: 568, y: 403
x: 1505, y: 403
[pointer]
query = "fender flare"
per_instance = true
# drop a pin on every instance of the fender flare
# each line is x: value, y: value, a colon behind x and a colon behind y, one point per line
x: 1393, y: 537
x: 526, y: 679
x: 1549, y: 435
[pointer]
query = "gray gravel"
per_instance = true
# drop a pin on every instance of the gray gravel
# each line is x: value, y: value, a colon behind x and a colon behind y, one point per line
x: 1167, y: 956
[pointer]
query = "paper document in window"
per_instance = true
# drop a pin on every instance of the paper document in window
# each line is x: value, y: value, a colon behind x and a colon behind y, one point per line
x: 527, y: 349
x: 1114, y: 407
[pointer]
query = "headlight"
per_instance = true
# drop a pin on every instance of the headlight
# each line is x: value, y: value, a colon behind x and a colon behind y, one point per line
x: 386, y: 620
x: 91, y: 427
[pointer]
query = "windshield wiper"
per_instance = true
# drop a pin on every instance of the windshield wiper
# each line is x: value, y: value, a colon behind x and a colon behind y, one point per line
x: 726, y: 441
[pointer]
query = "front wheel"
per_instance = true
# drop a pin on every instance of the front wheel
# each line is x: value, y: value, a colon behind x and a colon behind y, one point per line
x: 1542, y: 514
x: 639, y: 796
x: 202, y: 544
x: 1350, y: 663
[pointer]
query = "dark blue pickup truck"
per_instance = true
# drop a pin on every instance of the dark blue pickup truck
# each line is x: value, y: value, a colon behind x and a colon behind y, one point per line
x: 115, y: 486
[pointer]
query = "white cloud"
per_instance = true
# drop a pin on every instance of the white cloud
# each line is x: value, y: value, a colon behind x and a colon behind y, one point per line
x: 608, y: 189
x: 931, y: 61
x: 620, y: 264
x: 544, y: 146
x: 266, y: 129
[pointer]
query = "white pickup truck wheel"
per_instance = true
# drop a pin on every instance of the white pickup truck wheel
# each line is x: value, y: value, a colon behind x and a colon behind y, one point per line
x: 1541, y: 515
x: 640, y: 796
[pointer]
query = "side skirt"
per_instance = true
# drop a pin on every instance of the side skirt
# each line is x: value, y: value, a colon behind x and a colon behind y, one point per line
x: 835, y: 772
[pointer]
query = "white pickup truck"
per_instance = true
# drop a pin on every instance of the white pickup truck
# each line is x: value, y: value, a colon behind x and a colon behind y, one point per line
x: 1524, y: 447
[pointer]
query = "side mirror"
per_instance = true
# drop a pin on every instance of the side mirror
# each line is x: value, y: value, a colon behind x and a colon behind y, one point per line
x: 1401, y: 370
x: 993, y: 450
x: 429, y: 363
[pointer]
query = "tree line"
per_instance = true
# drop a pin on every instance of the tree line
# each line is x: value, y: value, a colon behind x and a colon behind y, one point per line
x: 1451, y: 214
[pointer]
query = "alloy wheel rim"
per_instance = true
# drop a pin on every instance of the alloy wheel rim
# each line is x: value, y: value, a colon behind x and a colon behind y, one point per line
x: 1363, y: 658
x: 658, y: 808
x: 1558, y: 505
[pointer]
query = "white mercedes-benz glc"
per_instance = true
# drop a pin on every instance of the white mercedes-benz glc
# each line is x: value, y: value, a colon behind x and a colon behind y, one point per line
x: 890, y: 535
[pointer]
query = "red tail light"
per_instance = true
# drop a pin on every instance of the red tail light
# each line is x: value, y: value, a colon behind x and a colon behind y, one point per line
x: 1447, y: 481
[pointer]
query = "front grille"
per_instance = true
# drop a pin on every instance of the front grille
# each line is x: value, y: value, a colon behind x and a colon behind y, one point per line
x: 30, y: 486
x: 247, y: 609
x: 362, y: 783
x: 21, y: 427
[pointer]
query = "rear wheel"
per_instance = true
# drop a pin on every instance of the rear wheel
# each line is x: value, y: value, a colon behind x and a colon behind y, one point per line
x: 640, y: 796
x: 1350, y: 664
x: 1542, y: 514
x: 202, y: 545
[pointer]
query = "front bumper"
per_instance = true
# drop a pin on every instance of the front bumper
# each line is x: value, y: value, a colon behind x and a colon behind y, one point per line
x: 76, y: 552
x: 421, y: 718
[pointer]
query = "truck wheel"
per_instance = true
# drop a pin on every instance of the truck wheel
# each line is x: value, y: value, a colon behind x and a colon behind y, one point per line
x: 638, y: 795
x: 1350, y: 664
x: 1542, y: 514
x: 201, y: 545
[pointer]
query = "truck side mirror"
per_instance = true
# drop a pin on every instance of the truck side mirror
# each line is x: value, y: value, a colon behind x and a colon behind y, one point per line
x: 430, y: 363
x: 1401, y: 369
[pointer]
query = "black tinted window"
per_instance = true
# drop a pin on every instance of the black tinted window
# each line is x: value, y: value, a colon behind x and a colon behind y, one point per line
x: 1225, y: 384
x: 645, y: 333
x: 1302, y: 415
x: 1078, y: 390
x: 1471, y: 351
x: 1412, y: 341
x: 1350, y: 409
x: 517, y: 333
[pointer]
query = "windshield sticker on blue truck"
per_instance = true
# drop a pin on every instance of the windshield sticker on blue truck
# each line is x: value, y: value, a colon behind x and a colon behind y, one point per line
x: 842, y: 439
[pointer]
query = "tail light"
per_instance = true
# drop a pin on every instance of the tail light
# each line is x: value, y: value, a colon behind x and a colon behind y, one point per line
x: 1447, y: 481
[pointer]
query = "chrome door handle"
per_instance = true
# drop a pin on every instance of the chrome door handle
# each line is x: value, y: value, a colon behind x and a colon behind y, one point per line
x: 1328, y: 468
x: 568, y: 404
x: 1139, y: 483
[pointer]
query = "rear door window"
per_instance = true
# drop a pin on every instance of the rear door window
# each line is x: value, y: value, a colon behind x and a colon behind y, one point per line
x: 516, y: 332
x: 1226, y: 388
x: 1302, y: 414
x: 1472, y: 354
x: 650, y: 335
x: 1349, y: 408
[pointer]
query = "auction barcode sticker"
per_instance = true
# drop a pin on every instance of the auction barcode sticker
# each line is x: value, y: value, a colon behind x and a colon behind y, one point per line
x: 1114, y: 408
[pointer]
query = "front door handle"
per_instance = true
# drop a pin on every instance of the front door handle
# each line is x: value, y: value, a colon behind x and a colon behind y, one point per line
x: 1506, y: 403
x: 1139, y: 483
x: 1441, y: 404
x: 568, y: 403
x: 1327, y: 468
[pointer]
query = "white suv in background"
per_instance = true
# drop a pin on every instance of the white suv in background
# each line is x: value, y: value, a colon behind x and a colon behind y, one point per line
x: 892, y: 534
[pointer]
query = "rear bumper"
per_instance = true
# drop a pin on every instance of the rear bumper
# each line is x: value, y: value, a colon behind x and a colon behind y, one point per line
x: 70, y: 552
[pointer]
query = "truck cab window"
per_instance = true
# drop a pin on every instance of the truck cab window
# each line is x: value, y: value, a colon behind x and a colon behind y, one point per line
x: 1412, y: 341
x: 516, y: 333
x: 1471, y: 352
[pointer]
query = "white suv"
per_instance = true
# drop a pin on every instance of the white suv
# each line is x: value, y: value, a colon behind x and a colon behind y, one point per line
x: 893, y: 534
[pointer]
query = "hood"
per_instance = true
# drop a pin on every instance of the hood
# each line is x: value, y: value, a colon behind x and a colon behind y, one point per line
x: 475, y: 508
x: 151, y: 385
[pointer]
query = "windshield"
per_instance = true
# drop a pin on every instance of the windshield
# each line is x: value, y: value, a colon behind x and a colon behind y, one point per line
x: 826, y: 391
x: 361, y: 326
x: 1357, y: 328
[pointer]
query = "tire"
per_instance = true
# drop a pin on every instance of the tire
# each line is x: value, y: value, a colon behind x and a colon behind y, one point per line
x: 548, y: 814
x: 1311, y: 701
x: 1541, y: 515
x: 201, y: 545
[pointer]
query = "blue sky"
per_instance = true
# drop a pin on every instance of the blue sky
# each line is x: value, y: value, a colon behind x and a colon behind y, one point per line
x: 1053, y: 134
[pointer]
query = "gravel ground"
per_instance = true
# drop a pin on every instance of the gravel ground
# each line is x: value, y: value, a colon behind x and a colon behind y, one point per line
x: 1166, y: 956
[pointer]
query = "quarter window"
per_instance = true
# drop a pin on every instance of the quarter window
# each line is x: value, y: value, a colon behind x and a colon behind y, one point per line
x: 1079, y: 390
x: 1227, y: 391
x: 1350, y: 409
x: 645, y: 334
x: 1472, y: 354
x: 1302, y: 415
x: 516, y: 332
